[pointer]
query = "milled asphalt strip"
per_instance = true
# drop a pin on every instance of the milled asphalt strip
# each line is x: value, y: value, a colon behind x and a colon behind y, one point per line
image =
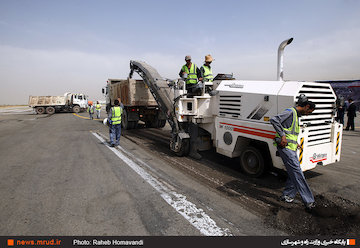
x: 196, y: 216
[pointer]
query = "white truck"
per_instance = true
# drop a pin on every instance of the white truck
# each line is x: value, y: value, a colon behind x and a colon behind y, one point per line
x: 235, y: 117
x: 69, y: 102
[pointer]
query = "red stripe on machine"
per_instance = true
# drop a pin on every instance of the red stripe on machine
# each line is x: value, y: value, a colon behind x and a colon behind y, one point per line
x: 265, y: 135
x: 316, y: 161
x: 262, y: 130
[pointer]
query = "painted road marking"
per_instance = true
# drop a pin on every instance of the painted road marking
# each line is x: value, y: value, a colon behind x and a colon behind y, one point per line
x: 196, y: 216
x: 88, y: 118
x: 18, y: 110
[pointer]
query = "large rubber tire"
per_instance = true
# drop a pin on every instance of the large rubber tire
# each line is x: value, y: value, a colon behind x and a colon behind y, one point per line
x: 76, y: 109
x: 162, y: 123
x: 185, y: 148
x: 50, y: 110
x: 156, y: 123
x: 133, y: 124
x: 40, y: 110
x: 252, y: 162
x: 125, y: 124
x: 148, y: 124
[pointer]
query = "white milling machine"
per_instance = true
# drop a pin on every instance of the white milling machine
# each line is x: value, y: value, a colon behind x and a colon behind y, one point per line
x: 235, y: 117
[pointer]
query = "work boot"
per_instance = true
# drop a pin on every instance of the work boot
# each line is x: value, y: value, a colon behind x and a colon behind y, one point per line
x: 286, y: 198
x: 309, y: 207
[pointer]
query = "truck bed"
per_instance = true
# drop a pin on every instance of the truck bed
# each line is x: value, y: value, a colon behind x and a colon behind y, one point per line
x: 132, y: 92
x: 35, y: 101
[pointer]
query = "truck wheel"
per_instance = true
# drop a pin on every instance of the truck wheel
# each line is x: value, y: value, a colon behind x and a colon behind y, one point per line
x: 162, y: 123
x: 76, y: 109
x: 132, y: 124
x: 50, y: 110
x: 156, y: 123
x: 40, y: 110
x: 252, y: 162
x: 125, y: 124
x: 148, y: 123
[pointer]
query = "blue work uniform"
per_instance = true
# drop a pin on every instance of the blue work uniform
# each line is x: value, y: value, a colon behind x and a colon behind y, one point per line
x: 90, y: 111
x: 296, y: 182
x: 115, y: 127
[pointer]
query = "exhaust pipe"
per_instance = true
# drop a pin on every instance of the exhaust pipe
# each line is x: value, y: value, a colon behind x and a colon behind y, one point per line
x: 280, y: 68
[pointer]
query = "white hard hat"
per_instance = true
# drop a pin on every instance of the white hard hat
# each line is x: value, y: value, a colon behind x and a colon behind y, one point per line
x: 105, y: 121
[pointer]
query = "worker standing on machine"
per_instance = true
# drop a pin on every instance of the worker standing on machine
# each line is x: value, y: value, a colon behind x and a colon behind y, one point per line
x: 191, y: 74
x: 287, y: 130
x: 206, y: 70
x: 206, y: 73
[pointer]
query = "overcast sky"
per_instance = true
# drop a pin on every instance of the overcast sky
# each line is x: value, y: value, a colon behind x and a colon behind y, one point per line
x: 52, y: 47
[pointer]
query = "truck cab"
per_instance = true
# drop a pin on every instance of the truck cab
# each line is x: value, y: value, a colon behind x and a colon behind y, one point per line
x: 78, y: 100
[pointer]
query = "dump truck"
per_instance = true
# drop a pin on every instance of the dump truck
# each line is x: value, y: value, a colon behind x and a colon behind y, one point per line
x: 139, y: 104
x: 69, y: 102
x: 234, y: 117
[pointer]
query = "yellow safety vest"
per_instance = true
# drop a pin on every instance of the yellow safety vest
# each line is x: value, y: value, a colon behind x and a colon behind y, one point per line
x: 292, y: 132
x: 98, y: 106
x: 208, y: 76
x: 116, y: 115
x: 191, y: 74
x: 91, y: 109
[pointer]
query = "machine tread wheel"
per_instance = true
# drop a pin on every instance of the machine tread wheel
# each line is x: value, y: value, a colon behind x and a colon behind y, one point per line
x: 252, y: 162
x: 40, y: 110
x: 185, y: 148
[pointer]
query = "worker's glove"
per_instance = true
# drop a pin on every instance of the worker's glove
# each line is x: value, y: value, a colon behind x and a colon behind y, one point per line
x: 299, y: 147
x: 283, y: 142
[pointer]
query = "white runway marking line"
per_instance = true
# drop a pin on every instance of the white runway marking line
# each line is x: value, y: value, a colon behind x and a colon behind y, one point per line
x: 196, y: 216
x: 15, y: 111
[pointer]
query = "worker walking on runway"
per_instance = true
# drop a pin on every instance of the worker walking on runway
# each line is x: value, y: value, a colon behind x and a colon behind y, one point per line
x: 115, y: 123
x: 351, y: 114
x: 90, y: 110
x: 98, y: 109
x: 287, y: 130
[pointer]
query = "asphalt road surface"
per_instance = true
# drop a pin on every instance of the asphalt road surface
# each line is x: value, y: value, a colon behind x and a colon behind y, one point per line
x: 60, y: 177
